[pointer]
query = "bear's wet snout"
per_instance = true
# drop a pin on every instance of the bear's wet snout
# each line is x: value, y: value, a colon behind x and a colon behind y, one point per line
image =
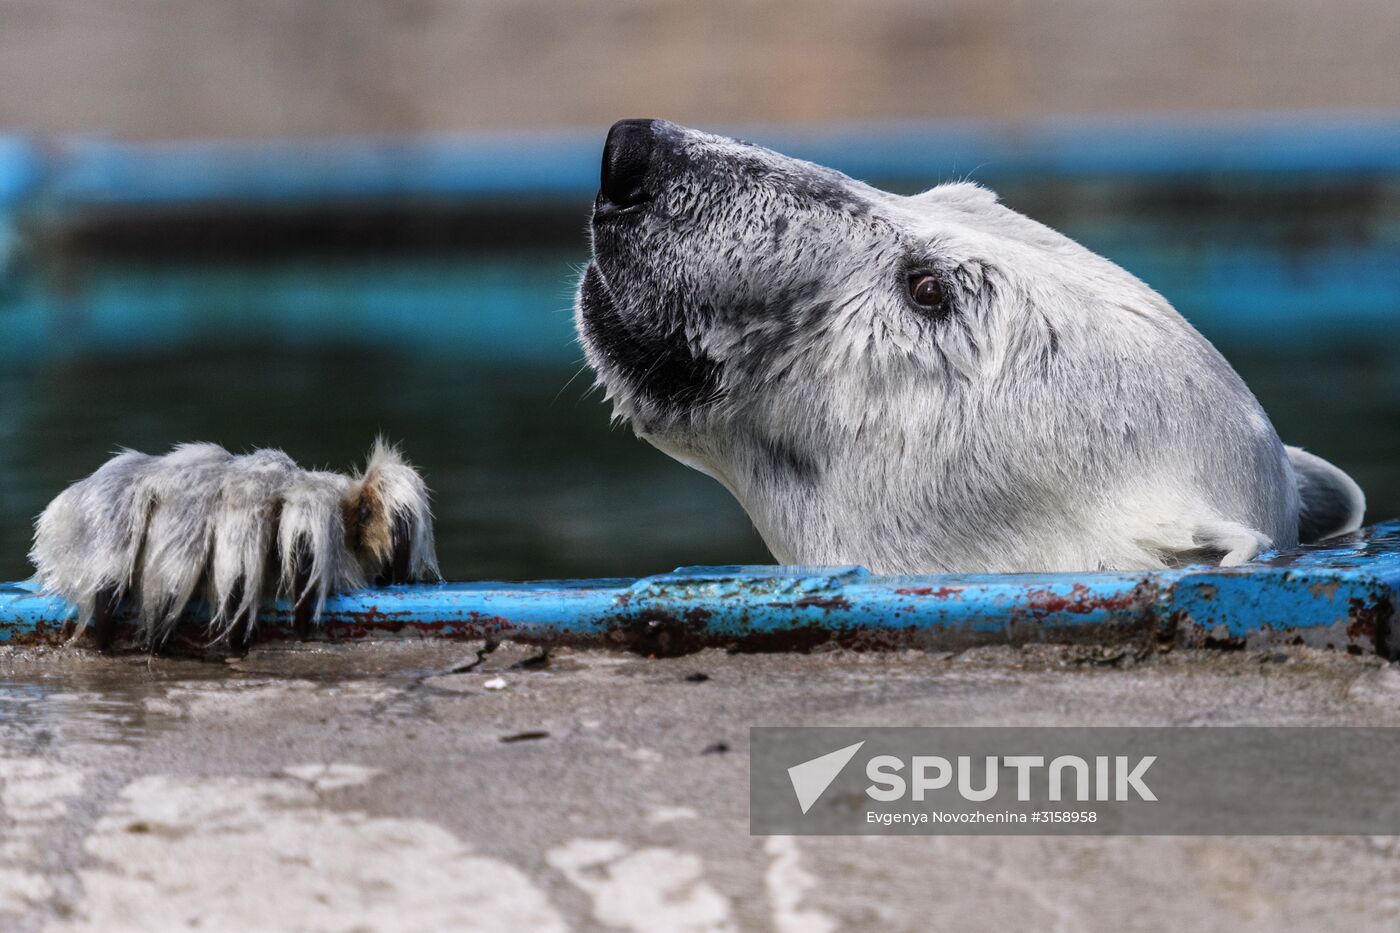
x: 626, y: 158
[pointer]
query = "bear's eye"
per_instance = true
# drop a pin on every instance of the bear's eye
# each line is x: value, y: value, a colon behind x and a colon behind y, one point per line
x: 926, y: 291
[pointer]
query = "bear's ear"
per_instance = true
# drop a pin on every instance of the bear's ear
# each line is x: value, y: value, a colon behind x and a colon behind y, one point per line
x: 966, y: 195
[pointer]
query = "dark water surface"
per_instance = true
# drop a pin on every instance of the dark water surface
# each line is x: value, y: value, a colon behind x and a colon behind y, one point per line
x: 460, y: 347
x: 529, y: 478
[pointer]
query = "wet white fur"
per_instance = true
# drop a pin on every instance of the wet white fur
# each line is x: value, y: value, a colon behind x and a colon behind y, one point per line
x: 1064, y: 417
x: 160, y: 528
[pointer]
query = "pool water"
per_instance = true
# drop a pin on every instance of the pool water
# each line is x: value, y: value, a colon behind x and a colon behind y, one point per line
x: 529, y: 478
x: 462, y: 350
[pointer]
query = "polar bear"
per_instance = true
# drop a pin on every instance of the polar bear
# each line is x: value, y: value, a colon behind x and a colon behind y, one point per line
x: 922, y: 384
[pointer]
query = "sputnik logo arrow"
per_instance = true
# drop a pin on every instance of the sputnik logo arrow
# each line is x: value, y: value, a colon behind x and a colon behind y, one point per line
x: 811, y: 778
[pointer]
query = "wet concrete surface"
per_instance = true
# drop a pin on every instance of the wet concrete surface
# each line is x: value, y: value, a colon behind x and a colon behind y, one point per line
x: 418, y: 785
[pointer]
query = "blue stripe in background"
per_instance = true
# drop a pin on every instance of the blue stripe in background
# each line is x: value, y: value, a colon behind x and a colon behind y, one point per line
x: 1326, y: 272
x: 85, y: 172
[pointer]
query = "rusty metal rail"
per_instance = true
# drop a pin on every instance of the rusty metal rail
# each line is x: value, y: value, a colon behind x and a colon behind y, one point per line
x: 1340, y: 595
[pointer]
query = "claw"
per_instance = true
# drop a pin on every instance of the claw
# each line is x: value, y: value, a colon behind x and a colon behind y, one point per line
x: 304, y: 610
x: 242, y: 635
x: 103, y: 622
x: 241, y: 629
x: 403, y: 550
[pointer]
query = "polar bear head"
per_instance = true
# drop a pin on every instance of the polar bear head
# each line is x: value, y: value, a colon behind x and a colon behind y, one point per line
x: 925, y: 383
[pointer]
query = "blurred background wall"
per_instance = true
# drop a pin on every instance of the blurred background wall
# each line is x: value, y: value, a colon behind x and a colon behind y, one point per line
x: 198, y: 241
x: 180, y: 68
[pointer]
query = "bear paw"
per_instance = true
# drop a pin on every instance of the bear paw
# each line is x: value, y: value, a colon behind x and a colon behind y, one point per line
x: 201, y: 523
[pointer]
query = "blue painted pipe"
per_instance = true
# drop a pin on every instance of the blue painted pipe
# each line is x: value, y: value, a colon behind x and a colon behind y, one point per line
x: 1340, y: 595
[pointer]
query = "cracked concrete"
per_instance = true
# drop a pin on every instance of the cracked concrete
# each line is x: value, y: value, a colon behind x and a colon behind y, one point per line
x: 416, y: 785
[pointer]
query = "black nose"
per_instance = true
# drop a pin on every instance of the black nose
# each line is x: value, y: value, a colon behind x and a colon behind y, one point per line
x: 626, y: 156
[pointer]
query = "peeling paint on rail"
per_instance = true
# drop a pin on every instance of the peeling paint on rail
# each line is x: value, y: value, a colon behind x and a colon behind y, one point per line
x: 1340, y: 595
